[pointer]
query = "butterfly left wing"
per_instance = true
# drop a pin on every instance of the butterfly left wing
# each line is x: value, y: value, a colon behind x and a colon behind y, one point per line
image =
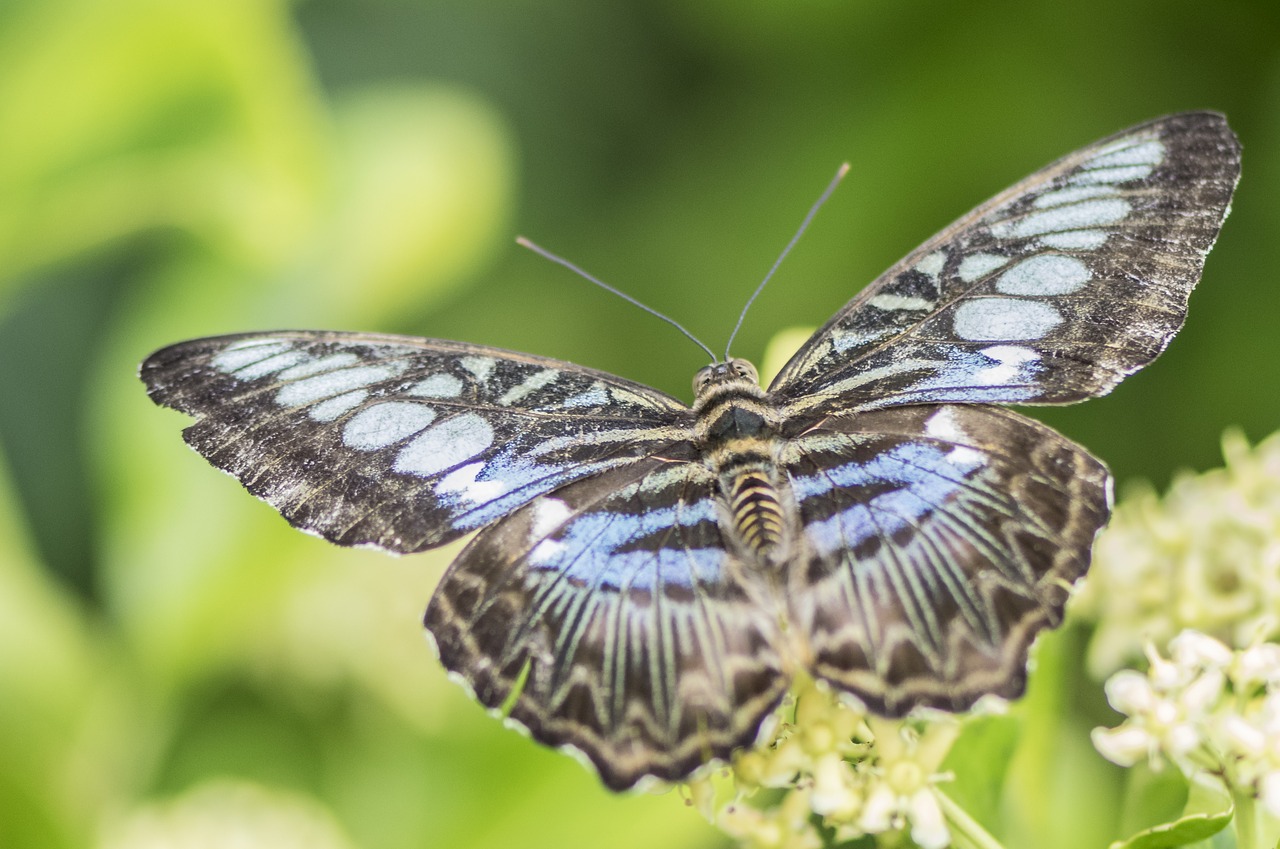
x: 611, y: 618
x: 1050, y: 293
x: 398, y: 442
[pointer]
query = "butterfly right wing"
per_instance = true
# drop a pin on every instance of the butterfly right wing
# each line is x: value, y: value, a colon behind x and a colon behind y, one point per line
x: 612, y: 618
x: 1050, y: 293
x: 398, y: 442
x: 940, y: 539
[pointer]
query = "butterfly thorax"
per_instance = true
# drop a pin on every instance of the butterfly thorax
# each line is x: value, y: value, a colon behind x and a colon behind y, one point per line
x: 737, y: 426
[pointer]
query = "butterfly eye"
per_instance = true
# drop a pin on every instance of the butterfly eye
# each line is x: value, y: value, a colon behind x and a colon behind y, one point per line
x: 701, y: 378
x: 743, y: 368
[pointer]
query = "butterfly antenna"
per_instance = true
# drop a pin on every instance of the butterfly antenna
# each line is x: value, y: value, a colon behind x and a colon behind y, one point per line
x: 804, y: 225
x: 546, y: 254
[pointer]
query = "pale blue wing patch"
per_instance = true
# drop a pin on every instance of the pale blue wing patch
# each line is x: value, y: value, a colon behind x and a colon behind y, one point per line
x: 617, y: 603
x: 397, y: 442
x: 1050, y: 293
x: 940, y: 539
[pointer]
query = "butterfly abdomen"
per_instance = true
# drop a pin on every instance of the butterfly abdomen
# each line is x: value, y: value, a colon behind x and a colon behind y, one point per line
x: 738, y: 426
x: 756, y: 510
x: 748, y: 475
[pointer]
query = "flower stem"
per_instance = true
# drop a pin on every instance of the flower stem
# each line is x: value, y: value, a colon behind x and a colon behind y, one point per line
x: 965, y: 831
x: 1246, y: 820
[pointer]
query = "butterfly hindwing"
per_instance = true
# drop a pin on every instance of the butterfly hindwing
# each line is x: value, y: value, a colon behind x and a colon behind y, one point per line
x: 940, y: 539
x: 615, y: 611
x: 398, y: 442
x: 1050, y: 293
x: 647, y: 577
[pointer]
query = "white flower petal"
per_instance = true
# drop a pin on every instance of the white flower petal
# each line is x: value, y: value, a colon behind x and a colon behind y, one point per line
x: 833, y: 787
x: 1258, y: 664
x: 1200, y: 696
x: 1165, y: 712
x: 1270, y: 714
x: 877, y: 813
x: 1182, y: 738
x: 928, y: 825
x: 1163, y: 674
x: 1241, y: 735
x: 1129, y: 692
x: 1269, y: 792
x: 1194, y: 650
x: 1125, y: 745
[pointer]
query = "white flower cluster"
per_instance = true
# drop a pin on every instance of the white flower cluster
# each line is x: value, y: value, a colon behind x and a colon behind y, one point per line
x: 1212, y: 711
x: 1206, y: 556
x: 832, y: 766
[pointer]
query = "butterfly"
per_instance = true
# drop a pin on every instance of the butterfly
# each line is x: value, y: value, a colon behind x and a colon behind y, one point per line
x: 648, y: 577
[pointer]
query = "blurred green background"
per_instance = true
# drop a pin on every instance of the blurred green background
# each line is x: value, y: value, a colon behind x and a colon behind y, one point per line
x: 174, y: 660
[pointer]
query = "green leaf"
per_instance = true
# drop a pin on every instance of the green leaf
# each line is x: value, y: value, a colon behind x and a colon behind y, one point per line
x: 980, y: 760
x: 1152, y: 797
x: 1191, y: 827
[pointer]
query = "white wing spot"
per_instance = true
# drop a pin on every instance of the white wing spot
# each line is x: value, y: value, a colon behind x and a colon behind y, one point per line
x: 1075, y: 240
x: 532, y: 383
x: 1123, y: 174
x: 596, y: 396
x: 327, y: 411
x: 437, y: 386
x: 965, y: 458
x: 1009, y: 360
x: 1146, y: 153
x: 932, y: 264
x: 1078, y: 216
x: 861, y: 378
x: 899, y: 302
x: 943, y: 425
x: 385, y: 423
x: 1071, y: 195
x: 979, y: 265
x: 992, y: 319
x: 445, y: 445
x: 329, y: 363
x: 1045, y: 275
x: 333, y: 383
x: 479, y: 367
x: 462, y: 481
x: 258, y: 342
x: 262, y: 368
x: 843, y: 340
x: 246, y: 352
x: 548, y: 514
x: 547, y: 551
x: 1010, y: 354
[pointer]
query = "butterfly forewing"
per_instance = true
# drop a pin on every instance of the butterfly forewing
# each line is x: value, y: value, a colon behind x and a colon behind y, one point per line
x: 647, y: 579
x: 616, y: 611
x: 398, y: 442
x: 1050, y: 293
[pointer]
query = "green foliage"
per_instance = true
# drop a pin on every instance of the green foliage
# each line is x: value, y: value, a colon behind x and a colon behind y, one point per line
x: 1191, y: 827
x: 178, y: 668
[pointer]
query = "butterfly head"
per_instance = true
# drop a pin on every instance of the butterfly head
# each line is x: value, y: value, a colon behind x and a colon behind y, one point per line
x: 733, y: 371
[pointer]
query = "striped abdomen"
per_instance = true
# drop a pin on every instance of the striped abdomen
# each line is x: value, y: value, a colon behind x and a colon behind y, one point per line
x: 757, y: 513
x: 737, y: 425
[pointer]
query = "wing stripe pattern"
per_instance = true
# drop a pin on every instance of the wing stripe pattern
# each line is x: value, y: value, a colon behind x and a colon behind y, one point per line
x: 398, y: 442
x: 1050, y: 293
x: 648, y: 577
x: 941, y: 539
x: 646, y: 665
